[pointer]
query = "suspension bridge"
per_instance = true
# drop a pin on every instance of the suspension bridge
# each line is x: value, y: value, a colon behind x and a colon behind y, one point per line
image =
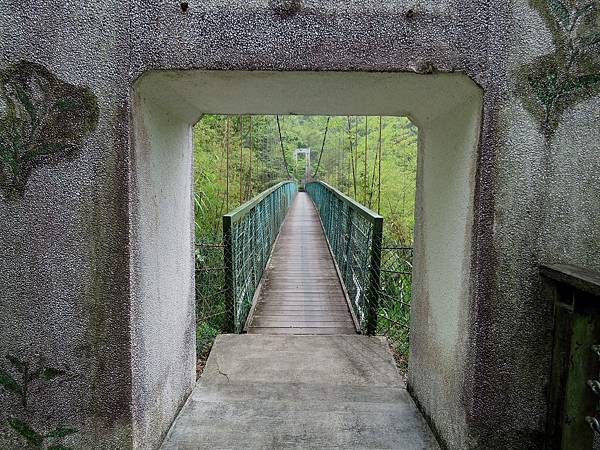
x: 302, y: 279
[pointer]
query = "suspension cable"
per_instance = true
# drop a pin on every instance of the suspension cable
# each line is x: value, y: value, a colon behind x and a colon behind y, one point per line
x: 287, y: 168
x: 322, y: 147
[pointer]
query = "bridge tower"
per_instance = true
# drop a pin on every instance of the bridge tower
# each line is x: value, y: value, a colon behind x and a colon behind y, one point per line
x: 307, y: 170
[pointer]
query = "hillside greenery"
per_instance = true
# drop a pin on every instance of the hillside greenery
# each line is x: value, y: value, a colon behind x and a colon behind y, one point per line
x: 255, y: 159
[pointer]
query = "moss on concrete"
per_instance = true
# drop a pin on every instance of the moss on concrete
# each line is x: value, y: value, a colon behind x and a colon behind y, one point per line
x: 41, y: 117
x: 553, y: 83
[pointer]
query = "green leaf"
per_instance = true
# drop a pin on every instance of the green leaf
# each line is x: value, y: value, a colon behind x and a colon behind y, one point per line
x: 560, y: 13
x: 48, y: 373
x: 581, y: 82
x: 62, y: 432
x: 9, y: 383
x: 21, y: 366
x: 26, y: 431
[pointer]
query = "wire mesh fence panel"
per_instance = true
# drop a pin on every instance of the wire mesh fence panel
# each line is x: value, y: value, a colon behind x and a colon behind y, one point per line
x: 395, y: 297
x: 354, y: 234
x: 249, y: 233
x: 211, y: 307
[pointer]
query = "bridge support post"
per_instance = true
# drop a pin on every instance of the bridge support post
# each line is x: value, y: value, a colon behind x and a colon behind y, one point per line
x: 229, y: 282
x: 374, y: 276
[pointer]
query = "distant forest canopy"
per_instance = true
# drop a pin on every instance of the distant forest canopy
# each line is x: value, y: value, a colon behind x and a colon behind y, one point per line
x: 256, y: 162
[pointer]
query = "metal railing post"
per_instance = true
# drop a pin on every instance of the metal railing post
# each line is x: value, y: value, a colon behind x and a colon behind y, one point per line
x: 229, y: 273
x: 374, y: 277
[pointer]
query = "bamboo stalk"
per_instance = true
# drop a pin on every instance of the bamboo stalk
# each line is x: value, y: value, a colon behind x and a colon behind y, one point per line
x: 250, y: 168
x: 352, y: 160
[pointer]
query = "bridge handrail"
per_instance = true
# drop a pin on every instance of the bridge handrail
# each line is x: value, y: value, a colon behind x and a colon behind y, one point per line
x: 248, y: 235
x: 355, y: 234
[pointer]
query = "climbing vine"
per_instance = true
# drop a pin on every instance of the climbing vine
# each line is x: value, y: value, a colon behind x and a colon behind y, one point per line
x: 18, y: 382
x: 41, y: 117
x: 555, y: 82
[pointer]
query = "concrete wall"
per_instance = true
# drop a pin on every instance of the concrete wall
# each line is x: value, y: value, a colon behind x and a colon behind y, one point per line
x: 69, y: 285
x: 162, y: 260
x: 446, y: 169
x: 447, y: 108
x: 64, y: 245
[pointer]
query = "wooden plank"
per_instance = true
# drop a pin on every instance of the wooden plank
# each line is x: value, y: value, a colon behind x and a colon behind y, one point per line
x: 291, y: 308
x: 308, y: 331
x: 309, y: 315
x: 326, y: 320
x: 287, y: 323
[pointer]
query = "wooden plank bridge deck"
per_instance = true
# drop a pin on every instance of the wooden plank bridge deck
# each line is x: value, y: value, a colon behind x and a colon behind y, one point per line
x: 300, y: 292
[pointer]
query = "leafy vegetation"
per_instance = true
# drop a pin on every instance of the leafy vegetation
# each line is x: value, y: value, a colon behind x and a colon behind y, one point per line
x: 371, y: 159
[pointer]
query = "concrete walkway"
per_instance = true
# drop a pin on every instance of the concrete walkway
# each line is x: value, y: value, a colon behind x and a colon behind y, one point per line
x: 271, y: 392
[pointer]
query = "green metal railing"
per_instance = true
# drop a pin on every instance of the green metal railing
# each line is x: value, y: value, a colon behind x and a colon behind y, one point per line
x: 248, y: 234
x: 354, y: 234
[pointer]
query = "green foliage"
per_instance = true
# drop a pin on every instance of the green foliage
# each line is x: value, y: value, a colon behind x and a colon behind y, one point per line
x: 553, y: 83
x: 40, y: 117
x: 205, y: 335
x: 398, y: 165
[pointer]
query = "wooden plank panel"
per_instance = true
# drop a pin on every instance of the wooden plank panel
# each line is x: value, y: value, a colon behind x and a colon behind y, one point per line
x: 314, y: 331
x: 301, y: 315
x: 291, y: 309
x: 274, y: 323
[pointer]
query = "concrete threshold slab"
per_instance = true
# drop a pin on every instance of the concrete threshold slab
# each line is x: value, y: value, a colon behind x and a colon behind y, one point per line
x: 264, y: 391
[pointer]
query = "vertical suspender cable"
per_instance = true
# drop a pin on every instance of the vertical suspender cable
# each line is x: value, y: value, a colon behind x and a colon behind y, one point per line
x: 380, y: 156
x: 241, y: 120
x: 322, y: 146
x: 282, y: 149
x: 227, y: 150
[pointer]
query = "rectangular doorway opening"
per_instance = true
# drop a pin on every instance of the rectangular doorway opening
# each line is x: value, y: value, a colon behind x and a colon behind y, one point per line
x: 447, y: 109
x: 371, y: 159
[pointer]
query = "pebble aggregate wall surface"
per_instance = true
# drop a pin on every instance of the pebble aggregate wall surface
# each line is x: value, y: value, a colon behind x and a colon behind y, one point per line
x: 64, y: 246
x: 64, y: 252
